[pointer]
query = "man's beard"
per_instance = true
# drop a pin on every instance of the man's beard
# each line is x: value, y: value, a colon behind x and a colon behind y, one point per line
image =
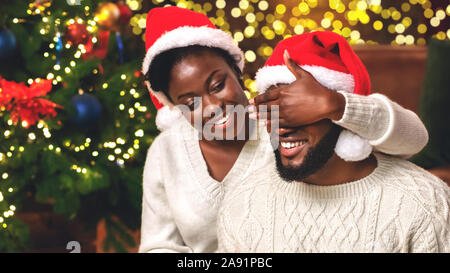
x: 314, y: 160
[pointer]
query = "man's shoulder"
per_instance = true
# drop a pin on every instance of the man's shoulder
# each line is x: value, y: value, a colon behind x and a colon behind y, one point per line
x: 246, y: 202
x: 412, y: 182
x: 254, y: 187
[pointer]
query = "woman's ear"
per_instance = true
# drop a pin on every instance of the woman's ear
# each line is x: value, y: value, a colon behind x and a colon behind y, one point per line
x: 241, y: 82
x: 239, y: 76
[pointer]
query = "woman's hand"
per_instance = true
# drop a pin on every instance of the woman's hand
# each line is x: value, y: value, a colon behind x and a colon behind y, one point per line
x: 304, y: 101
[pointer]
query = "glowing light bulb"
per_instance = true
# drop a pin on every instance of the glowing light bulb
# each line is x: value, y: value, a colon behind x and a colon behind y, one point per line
x: 32, y: 136
x: 139, y: 133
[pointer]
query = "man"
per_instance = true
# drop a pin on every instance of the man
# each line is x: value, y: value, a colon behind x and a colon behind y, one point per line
x: 312, y: 200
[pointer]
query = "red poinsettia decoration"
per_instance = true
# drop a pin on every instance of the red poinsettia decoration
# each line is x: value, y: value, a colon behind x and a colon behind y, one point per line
x: 24, y: 103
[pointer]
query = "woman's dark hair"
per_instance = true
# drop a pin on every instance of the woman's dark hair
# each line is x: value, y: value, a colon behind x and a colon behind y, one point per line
x: 160, y: 69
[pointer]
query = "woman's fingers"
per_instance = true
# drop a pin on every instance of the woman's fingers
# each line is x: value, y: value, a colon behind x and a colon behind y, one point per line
x: 294, y: 67
x: 264, y: 112
x: 269, y: 95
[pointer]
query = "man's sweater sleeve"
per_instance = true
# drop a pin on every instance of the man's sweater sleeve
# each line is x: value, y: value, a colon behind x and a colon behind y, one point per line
x: 159, y: 232
x: 389, y: 127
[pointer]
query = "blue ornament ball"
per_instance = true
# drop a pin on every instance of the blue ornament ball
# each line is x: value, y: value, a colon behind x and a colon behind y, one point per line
x: 88, y: 109
x: 8, y: 43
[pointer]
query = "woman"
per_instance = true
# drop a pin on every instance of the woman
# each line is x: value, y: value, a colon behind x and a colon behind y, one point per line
x: 186, y: 173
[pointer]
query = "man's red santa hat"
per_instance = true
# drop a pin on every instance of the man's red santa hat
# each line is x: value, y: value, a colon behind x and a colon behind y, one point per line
x: 174, y: 27
x: 332, y: 62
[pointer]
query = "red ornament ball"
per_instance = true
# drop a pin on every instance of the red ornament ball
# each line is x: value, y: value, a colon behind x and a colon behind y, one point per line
x: 77, y: 34
x: 125, y: 14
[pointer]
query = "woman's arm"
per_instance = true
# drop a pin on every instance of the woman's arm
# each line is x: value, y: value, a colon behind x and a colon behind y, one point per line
x: 389, y: 127
x: 159, y: 232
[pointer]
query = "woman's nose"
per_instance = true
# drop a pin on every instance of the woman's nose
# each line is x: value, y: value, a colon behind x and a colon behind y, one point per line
x: 212, y: 101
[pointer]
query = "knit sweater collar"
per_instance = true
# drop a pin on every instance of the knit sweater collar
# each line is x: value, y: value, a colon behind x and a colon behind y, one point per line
x: 356, y: 188
x: 212, y: 187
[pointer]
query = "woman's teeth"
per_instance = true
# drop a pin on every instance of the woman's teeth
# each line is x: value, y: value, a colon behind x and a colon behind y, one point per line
x: 223, y: 120
x: 292, y: 144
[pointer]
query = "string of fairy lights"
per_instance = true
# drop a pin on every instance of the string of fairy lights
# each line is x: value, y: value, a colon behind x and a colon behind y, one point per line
x: 267, y: 21
x: 270, y: 21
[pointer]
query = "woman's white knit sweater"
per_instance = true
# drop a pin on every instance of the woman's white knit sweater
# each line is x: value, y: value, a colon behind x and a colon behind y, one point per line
x: 181, y: 200
x: 399, y: 207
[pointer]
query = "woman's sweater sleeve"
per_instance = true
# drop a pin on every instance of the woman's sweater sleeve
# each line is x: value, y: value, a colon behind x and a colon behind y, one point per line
x: 159, y: 232
x: 389, y: 127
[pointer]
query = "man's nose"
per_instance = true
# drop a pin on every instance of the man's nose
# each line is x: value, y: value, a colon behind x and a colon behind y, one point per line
x: 285, y: 131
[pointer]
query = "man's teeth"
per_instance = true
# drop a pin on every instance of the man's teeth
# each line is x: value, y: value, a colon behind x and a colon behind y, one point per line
x: 292, y: 144
x: 223, y: 120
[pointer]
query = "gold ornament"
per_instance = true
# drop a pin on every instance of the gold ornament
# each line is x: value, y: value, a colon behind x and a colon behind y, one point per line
x: 39, y: 6
x: 42, y: 3
x: 108, y: 15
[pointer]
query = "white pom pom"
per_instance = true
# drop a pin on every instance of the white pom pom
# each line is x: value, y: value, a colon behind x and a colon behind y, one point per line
x: 352, y: 147
x: 167, y: 117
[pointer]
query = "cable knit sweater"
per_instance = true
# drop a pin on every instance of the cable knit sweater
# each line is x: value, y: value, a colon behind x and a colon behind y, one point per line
x: 399, y: 207
x: 181, y: 200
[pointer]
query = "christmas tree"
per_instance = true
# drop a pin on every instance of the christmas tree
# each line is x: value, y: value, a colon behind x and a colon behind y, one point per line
x: 75, y: 118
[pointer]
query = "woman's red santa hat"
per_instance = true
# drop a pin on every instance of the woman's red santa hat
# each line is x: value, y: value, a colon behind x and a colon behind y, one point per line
x: 174, y: 27
x: 332, y: 62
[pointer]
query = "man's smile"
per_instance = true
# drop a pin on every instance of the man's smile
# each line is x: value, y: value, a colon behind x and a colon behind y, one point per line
x: 290, y: 147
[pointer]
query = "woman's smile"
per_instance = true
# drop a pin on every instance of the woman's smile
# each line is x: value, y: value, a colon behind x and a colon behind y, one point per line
x: 222, y: 121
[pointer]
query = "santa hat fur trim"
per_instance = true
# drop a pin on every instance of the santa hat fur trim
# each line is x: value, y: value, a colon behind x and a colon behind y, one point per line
x: 280, y: 74
x: 188, y: 36
x: 352, y: 147
x: 166, y: 117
